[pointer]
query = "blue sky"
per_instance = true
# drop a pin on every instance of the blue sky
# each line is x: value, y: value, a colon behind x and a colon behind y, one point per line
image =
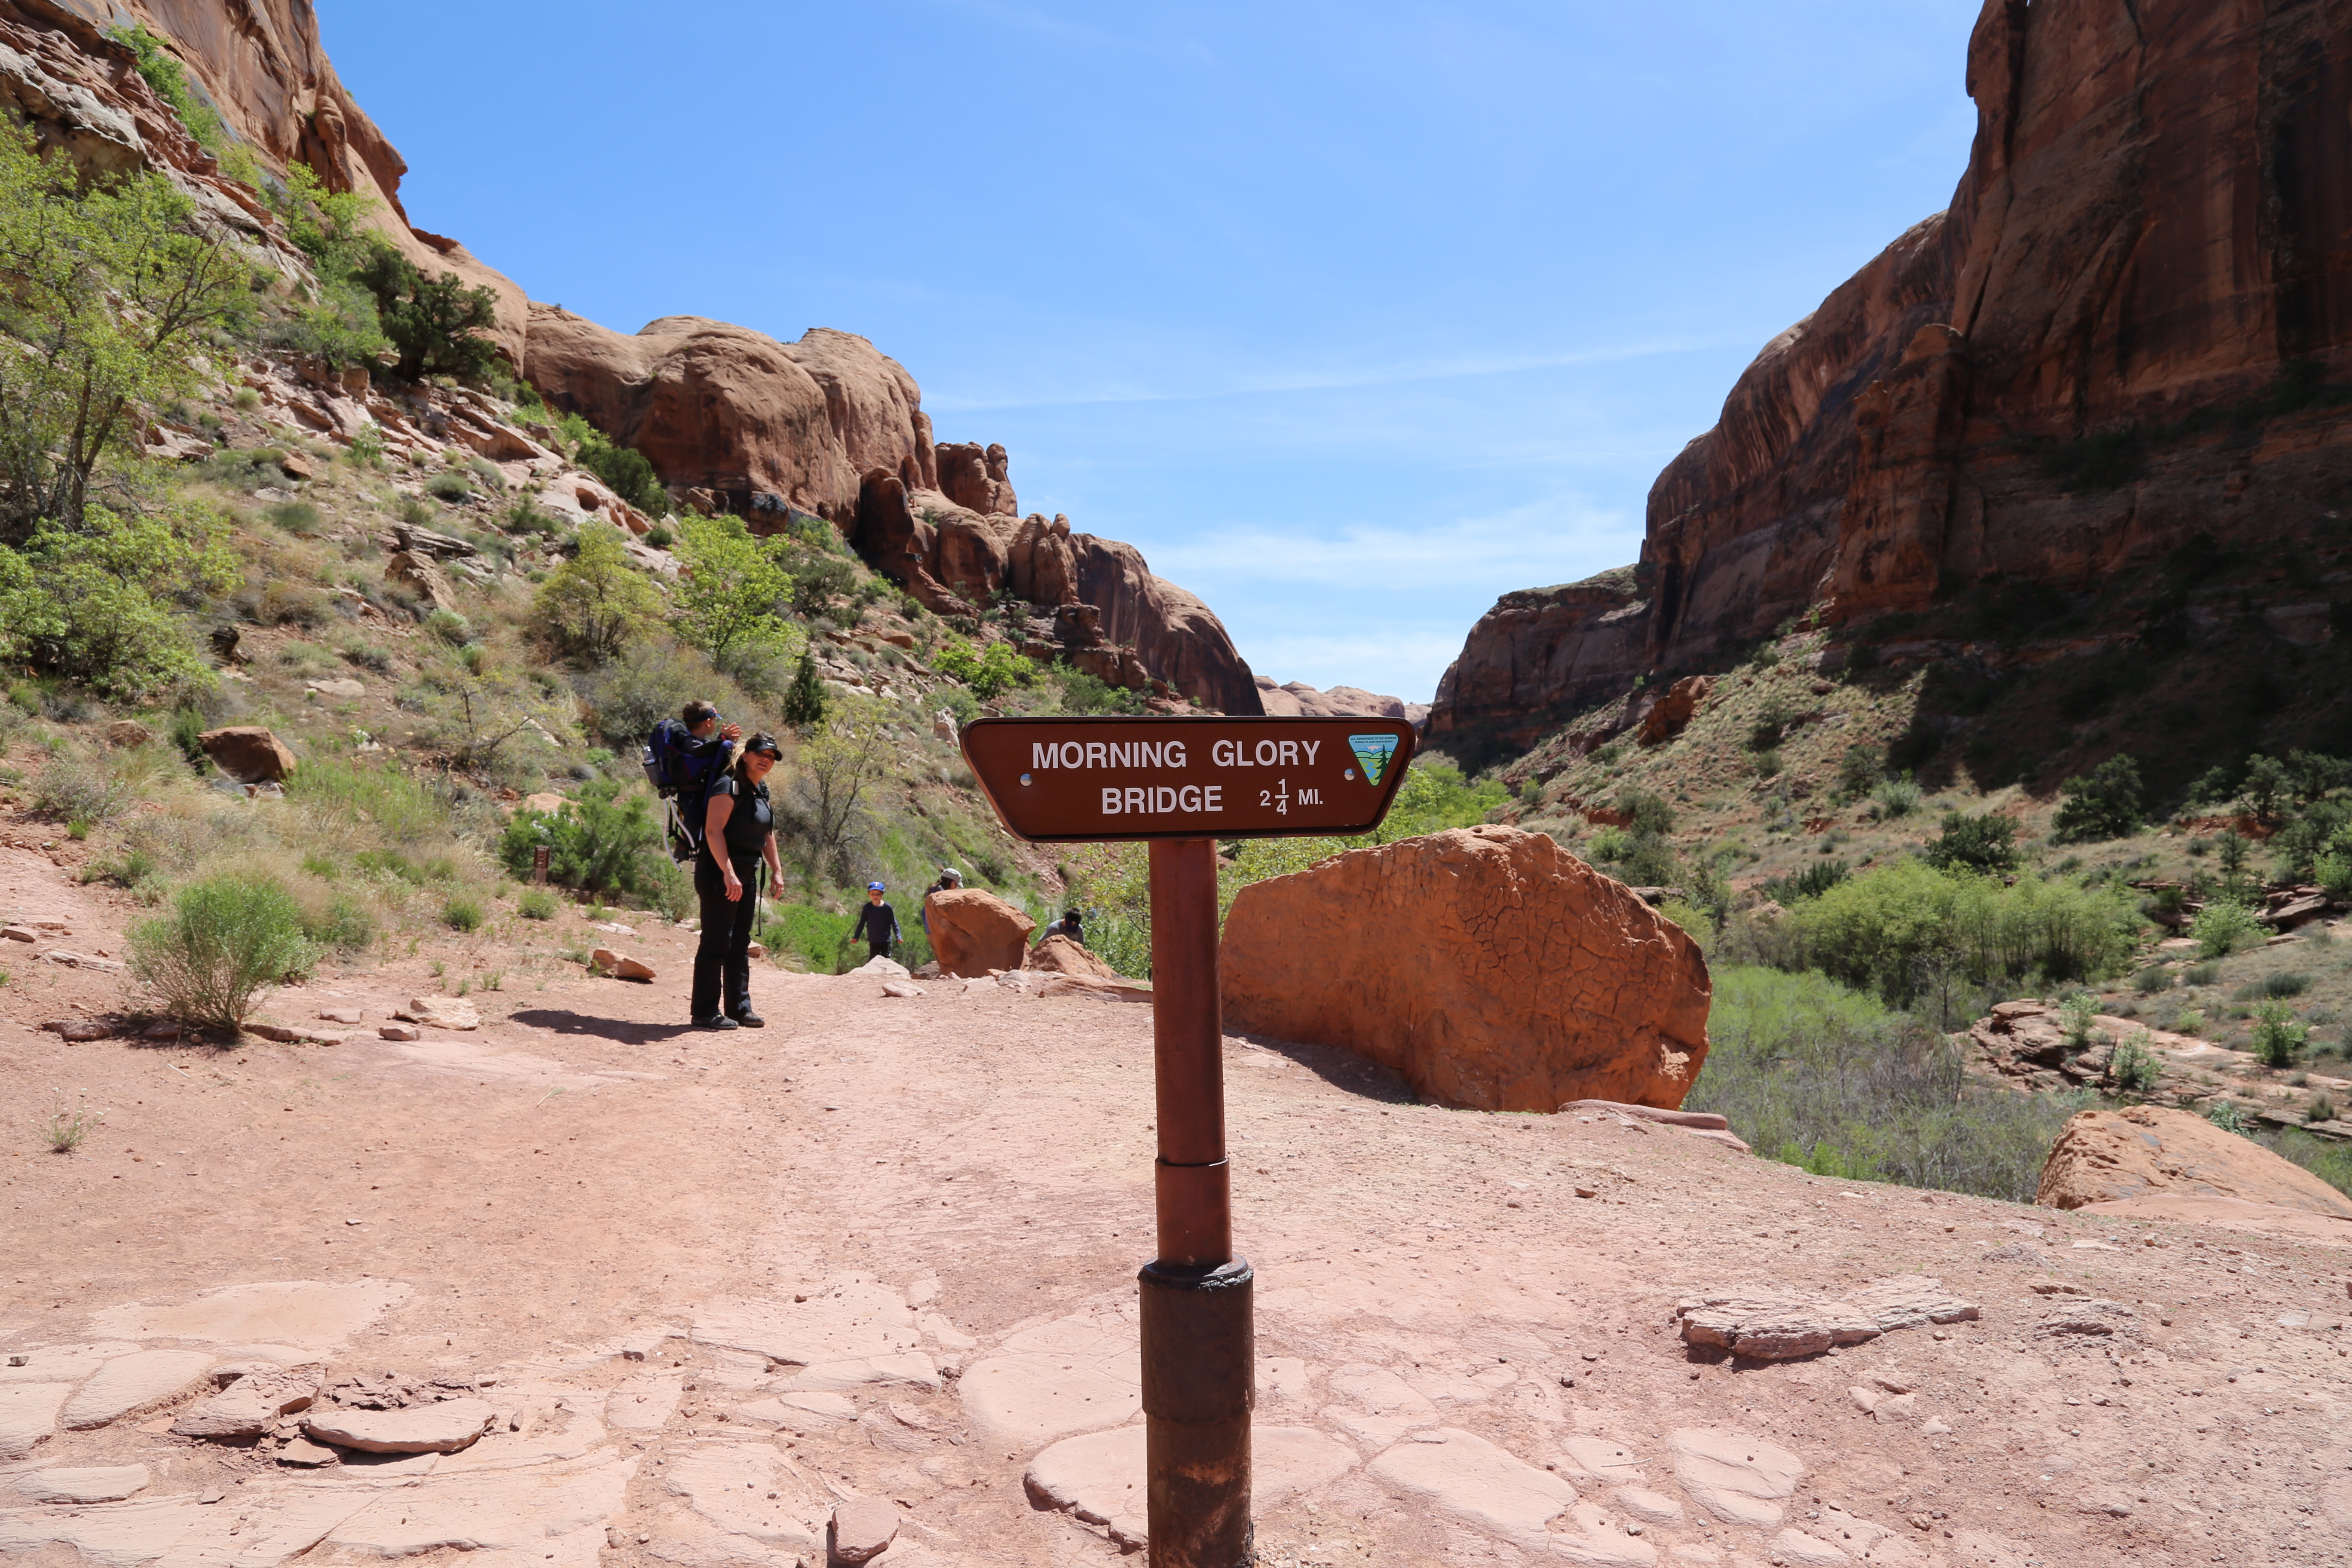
x: 1351, y: 317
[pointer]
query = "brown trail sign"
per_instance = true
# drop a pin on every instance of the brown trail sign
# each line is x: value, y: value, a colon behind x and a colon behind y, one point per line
x: 1183, y: 783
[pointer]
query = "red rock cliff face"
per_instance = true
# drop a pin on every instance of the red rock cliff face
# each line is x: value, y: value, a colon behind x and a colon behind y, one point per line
x: 261, y: 64
x: 2156, y: 220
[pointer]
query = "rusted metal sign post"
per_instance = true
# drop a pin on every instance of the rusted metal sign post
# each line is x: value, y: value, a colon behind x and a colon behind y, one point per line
x: 1181, y: 785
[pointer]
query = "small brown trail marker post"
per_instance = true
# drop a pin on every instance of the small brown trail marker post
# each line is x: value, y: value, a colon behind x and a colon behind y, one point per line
x: 1180, y: 784
x: 539, y: 866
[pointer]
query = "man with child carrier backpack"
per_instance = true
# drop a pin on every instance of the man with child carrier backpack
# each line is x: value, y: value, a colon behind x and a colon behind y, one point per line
x: 680, y: 760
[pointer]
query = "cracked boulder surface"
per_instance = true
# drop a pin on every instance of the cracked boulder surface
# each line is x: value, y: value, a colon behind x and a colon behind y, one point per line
x: 692, y: 1298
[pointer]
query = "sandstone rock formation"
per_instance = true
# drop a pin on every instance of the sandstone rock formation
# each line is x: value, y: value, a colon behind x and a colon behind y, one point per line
x: 1667, y: 717
x: 830, y: 427
x: 2149, y: 229
x: 1295, y: 699
x: 725, y: 409
x: 1768, y: 1322
x: 248, y: 754
x: 2102, y: 1156
x: 973, y: 931
x: 1490, y: 966
x: 261, y: 65
x: 1103, y: 610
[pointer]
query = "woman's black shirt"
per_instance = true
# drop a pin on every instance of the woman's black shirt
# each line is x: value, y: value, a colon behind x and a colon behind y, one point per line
x: 747, y: 826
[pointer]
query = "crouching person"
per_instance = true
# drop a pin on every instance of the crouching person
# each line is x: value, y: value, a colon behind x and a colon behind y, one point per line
x: 739, y: 833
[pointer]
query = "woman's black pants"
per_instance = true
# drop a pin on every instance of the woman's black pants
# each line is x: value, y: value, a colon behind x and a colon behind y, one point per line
x: 724, y: 955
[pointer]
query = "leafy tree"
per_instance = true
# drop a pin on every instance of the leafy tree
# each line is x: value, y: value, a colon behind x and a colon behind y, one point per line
x: 834, y: 770
x: 94, y: 602
x: 627, y: 472
x: 2268, y: 786
x: 819, y: 583
x: 732, y: 586
x: 595, y: 604
x: 2221, y: 928
x: 106, y: 297
x: 991, y: 670
x: 804, y: 700
x: 431, y: 321
x: 1986, y: 842
x: 2105, y: 805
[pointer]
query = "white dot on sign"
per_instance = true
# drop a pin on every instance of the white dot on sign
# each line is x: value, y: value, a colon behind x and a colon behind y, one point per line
x: 1024, y: 779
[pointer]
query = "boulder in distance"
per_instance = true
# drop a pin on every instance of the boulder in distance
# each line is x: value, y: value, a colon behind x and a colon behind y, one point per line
x: 248, y: 754
x: 1490, y: 966
x: 974, y: 932
x: 2148, y: 1151
x: 1057, y: 955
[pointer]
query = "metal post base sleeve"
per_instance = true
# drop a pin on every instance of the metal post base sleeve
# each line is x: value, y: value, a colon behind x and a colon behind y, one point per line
x: 1199, y: 1350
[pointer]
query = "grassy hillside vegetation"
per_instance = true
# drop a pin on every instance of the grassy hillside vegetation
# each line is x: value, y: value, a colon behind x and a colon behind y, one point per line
x: 1823, y: 1076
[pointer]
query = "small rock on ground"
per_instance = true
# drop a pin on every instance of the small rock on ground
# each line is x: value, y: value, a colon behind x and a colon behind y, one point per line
x: 442, y: 1428
x: 863, y: 1529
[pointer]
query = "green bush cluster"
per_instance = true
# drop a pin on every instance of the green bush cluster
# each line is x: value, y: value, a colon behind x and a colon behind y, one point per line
x: 2104, y: 803
x: 2222, y: 928
x: 991, y: 670
x: 1984, y: 844
x: 227, y: 939
x: 1908, y: 931
x: 601, y: 841
x: 1828, y: 1078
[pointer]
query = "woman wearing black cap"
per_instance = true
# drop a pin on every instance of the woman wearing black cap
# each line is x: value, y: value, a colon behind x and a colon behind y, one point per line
x: 738, y: 832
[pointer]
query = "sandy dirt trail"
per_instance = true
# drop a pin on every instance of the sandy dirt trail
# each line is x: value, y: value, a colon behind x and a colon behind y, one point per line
x: 712, y: 1286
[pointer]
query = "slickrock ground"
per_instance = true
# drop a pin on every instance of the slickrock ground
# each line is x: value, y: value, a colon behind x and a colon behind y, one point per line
x: 602, y: 1227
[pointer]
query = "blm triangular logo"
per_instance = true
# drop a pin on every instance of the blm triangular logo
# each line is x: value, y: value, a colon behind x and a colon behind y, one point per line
x: 1373, y: 752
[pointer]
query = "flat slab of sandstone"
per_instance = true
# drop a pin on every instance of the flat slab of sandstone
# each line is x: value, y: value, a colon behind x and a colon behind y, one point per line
x: 442, y: 1428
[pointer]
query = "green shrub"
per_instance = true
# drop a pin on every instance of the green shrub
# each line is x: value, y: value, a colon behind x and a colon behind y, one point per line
x: 2077, y: 1015
x: 1827, y: 1078
x: 2222, y: 928
x: 1810, y: 883
x: 2333, y: 871
x: 449, y: 486
x: 343, y: 923
x: 295, y: 517
x: 1907, y: 931
x: 1862, y: 771
x: 2226, y: 1115
x: 601, y: 841
x: 1083, y: 693
x: 2279, y: 1039
x: 625, y: 470
x: 2291, y: 984
x: 2201, y: 975
x: 462, y: 912
x: 74, y: 791
x: 226, y: 940
x: 1896, y: 798
x: 2321, y: 1109
x: 1768, y: 762
x: 2134, y: 1066
x: 447, y: 628
x: 1986, y: 842
x: 2104, y: 803
x: 2151, y: 980
x: 536, y: 904
x: 404, y: 810
x: 284, y: 602
x: 661, y: 536
x: 990, y: 671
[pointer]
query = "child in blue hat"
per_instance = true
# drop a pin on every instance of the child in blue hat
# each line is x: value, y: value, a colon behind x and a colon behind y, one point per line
x: 877, y: 922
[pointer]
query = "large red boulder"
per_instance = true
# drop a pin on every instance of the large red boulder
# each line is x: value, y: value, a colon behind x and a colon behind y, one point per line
x: 974, y: 931
x: 1490, y: 966
x: 248, y: 754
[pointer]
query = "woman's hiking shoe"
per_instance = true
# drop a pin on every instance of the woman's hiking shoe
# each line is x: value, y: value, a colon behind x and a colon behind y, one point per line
x: 749, y: 1019
x: 722, y: 1022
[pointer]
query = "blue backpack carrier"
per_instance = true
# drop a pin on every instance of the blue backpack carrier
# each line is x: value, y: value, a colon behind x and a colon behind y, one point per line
x: 681, y: 769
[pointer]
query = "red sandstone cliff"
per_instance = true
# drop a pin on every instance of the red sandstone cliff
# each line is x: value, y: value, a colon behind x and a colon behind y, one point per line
x: 2155, y: 223
x: 261, y: 64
